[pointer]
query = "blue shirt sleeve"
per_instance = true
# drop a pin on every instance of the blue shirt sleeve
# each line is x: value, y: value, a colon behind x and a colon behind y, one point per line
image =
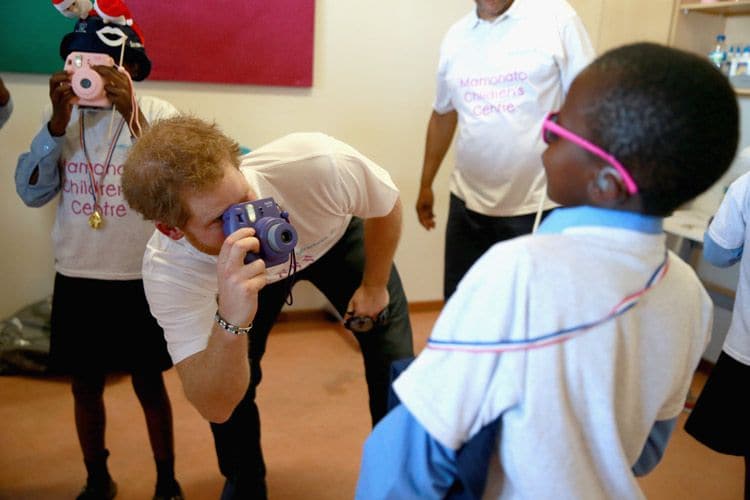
x: 43, y: 158
x: 654, y: 448
x: 718, y: 255
x: 402, y: 461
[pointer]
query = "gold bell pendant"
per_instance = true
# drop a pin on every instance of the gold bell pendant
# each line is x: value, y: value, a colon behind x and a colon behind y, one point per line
x: 96, y: 220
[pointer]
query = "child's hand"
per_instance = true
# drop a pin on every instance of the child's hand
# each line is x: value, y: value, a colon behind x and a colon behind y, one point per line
x: 63, y: 98
x: 118, y: 89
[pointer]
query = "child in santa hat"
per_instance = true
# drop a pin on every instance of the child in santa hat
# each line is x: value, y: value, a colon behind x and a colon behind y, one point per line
x: 100, y: 318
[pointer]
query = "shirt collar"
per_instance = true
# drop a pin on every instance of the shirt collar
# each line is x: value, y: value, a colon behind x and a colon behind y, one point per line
x: 513, y: 11
x: 563, y: 218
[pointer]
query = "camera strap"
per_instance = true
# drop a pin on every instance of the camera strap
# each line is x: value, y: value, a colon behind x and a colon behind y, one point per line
x: 96, y: 219
x: 290, y: 277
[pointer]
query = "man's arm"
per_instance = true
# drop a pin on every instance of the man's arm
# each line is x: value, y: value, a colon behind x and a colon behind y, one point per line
x: 381, y: 239
x: 215, y: 380
x: 440, y: 130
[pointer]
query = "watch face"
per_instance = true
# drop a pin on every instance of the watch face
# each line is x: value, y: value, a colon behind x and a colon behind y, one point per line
x: 362, y: 324
x: 359, y: 324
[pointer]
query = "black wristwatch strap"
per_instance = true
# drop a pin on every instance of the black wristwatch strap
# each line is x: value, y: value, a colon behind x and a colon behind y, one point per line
x: 236, y: 330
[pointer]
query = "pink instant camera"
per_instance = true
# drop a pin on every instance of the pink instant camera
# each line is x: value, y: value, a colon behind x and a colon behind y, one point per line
x: 88, y: 84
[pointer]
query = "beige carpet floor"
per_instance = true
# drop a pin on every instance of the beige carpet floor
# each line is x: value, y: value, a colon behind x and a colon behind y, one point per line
x: 314, y: 413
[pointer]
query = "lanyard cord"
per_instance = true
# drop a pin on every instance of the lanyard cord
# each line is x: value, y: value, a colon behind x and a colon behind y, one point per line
x: 555, y: 337
x: 89, y: 165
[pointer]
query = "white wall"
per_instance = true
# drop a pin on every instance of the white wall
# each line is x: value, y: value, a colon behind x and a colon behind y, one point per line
x: 373, y: 86
x: 374, y: 73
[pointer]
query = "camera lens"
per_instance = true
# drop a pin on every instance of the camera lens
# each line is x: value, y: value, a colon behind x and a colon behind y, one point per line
x: 85, y: 83
x: 286, y: 236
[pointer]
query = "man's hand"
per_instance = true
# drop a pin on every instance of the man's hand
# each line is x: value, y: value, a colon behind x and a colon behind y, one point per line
x: 368, y: 301
x: 425, y: 203
x: 62, y: 96
x: 239, y: 283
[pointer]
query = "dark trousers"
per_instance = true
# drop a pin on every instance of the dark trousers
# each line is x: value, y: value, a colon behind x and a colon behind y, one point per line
x: 337, y: 275
x: 469, y: 234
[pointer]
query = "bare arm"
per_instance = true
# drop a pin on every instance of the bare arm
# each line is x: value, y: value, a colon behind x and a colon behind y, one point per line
x: 215, y: 380
x: 381, y: 239
x: 4, y: 94
x: 440, y: 130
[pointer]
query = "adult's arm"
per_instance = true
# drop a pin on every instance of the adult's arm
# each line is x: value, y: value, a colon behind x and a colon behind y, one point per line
x: 381, y: 239
x: 215, y: 380
x: 440, y: 130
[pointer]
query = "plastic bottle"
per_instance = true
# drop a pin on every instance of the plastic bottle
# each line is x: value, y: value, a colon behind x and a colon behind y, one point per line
x: 726, y: 66
x: 719, y: 54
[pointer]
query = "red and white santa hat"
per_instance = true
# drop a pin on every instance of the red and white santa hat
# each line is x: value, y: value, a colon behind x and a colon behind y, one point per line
x: 73, y: 8
x: 116, y: 12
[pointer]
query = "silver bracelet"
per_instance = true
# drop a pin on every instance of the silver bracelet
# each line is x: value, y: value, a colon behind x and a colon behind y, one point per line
x: 236, y: 330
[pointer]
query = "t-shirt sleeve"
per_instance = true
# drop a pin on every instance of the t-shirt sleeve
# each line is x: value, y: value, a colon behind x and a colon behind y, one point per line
x: 578, y: 51
x: 367, y: 189
x: 727, y: 229
x: 463, y: 379
x: 443, y: 103
x: 181, y: 299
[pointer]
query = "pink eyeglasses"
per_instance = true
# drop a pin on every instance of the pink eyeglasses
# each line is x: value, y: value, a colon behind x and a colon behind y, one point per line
x: 551, y: 130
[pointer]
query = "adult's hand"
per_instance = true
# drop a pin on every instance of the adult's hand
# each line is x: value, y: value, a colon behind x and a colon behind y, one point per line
x: 239, y: 283
x: 425, y: 204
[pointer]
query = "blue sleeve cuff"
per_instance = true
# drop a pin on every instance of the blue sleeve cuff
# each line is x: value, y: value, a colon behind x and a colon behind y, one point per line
x: 401, y: 461
x: 43, y: 158
x: 718, y: 255
x: 656, y: 444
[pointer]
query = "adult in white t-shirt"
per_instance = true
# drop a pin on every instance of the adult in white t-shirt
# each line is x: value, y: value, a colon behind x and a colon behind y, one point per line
x: 503, y: 67
x: 184, y: 174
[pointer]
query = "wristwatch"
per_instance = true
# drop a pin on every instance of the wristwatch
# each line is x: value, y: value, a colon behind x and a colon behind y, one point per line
x: 236, y: 330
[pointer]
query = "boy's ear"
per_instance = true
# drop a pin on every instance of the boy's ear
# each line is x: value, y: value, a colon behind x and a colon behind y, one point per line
x: 170, y: 231
x: 607, y: 188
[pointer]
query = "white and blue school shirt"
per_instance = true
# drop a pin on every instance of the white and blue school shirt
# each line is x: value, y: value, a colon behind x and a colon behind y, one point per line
x: 503, y: 77
x: 723, y: 245
x: 573, y: 342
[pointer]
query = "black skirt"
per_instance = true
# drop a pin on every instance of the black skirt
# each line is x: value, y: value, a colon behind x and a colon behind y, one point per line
x: 102, y: 326
x: 720, y: 418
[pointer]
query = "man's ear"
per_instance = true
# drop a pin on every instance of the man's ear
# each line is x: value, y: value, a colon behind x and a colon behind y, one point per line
x: 170, y: 231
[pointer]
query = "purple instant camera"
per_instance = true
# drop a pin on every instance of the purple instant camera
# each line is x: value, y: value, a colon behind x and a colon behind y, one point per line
x: 277, y: 237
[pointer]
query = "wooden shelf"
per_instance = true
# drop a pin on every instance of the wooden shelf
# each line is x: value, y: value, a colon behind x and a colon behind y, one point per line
x: 744, y: 92
x: 722, y: 8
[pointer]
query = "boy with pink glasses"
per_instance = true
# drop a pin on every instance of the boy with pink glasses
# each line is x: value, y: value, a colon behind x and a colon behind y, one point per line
x: 565, y: 378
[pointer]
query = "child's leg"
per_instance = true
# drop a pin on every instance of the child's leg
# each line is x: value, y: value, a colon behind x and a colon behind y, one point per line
x: 152, y: 394
x: 90, y: 418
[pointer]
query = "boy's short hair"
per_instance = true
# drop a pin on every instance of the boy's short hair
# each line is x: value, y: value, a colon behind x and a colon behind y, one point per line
x: 174, y: 157
x: 669, y: 116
